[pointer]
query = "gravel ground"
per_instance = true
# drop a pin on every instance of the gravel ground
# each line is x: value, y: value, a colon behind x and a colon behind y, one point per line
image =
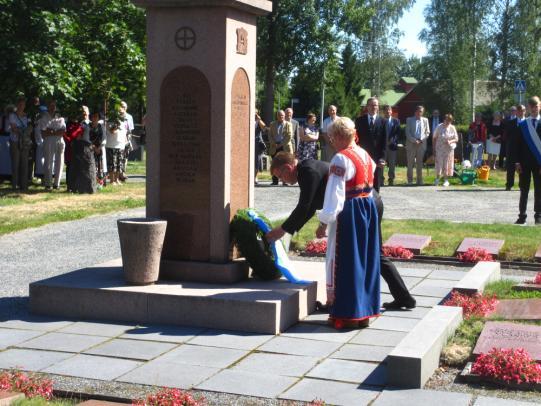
x: 424, y: 203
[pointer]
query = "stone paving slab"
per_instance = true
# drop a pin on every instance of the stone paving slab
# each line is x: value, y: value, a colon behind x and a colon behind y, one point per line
x: 478, y: 277
x: 321, y: 333
x: 428, y: 301
x: 431, y: 291
x: 438, y: 283
x: 213, y: 357
x: 350, y: 371
x: 444, y: 274
x: 247, y: 383
x: 490, y: 401
x: 417, y: 273
x: 333, y: 393
x: 384, y: 338
x: 170, y: 334
x: 133, y: 349
x: 168, y: 374
x: 394, y: 323
x: 9, y: 337
x: 7, y: 398
x: 300, y: 346
x: 357, y: 352
x: 63, y: 342
x: 230, y: 339
x: 415, y: 313
x: 418, y: 397
x: 97, y: 329
x: 93, y: 367
x: 30, y: 360
x: 411, y: 281
x: 38, y: 323
x: 276, y: 364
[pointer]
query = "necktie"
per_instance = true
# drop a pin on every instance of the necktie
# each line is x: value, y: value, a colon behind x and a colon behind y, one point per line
x: 418, y: 130
x: 371, y: 121
x: 534, y: 123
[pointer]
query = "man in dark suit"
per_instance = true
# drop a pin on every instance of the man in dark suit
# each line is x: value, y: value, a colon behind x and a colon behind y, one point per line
x: 311, y: 175
x: 511, y: 134
x: 392, y: 132
x: 371, y: 137
x: 527, y: 157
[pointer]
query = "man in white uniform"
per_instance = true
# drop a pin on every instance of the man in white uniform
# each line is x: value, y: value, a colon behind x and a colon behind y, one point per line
x: 52, y: 128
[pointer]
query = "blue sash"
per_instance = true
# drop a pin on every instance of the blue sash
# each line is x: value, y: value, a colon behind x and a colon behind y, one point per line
x: 281, y: 259
x: 532, y: 138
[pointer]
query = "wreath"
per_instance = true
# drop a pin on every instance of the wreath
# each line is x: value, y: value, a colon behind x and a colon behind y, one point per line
x: 253, y: 246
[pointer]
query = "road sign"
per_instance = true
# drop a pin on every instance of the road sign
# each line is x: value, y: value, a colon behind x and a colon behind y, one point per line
x: 520, y: 86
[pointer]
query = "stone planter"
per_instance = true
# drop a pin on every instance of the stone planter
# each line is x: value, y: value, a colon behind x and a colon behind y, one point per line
x: 141, y: 243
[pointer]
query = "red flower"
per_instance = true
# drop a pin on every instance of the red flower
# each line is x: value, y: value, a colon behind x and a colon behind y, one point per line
x: 170, y: 397
x: 316, y: 247
x: 474, y: 255
x: 31, y: 385
x: 536, y: 280
x: 475, y: 305
x: 508, y: 365
x: 397, y: 252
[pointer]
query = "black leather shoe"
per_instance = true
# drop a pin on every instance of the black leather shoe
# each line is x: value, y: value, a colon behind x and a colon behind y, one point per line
x: 538, y: 220
x: 320, y: 307
x: 521, y: 220
x: 395, y: 304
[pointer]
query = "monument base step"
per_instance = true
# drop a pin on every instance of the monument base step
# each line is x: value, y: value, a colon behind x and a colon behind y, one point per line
x: 191, y: 271
x: 100, y: 293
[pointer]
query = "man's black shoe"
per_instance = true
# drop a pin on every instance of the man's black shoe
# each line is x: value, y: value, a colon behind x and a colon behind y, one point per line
x: 320, y: 307
x: 274, y: 183
x: 538, y: 220
x: 508, y: 188
x: 521, y: 220
x: 395, y: 304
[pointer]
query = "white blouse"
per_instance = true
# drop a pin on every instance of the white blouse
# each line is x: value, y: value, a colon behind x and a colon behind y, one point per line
x: 341, y: 170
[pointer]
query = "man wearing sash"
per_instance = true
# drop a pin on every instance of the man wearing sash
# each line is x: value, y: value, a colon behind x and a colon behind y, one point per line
x: 528, y: 161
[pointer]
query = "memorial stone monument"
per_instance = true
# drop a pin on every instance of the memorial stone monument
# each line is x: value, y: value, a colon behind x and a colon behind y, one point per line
x: 201, y: 102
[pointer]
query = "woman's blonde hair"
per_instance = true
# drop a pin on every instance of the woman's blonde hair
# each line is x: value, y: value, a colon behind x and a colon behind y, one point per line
x: 344, y: 128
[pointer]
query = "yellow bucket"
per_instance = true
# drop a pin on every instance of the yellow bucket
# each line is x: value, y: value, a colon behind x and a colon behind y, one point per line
x: 483, y: 172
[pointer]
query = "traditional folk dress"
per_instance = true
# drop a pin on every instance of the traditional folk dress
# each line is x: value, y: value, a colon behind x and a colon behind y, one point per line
x: 353, y: 248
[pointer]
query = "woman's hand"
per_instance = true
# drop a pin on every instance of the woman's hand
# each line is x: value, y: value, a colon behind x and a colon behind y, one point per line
x: 321, y: 230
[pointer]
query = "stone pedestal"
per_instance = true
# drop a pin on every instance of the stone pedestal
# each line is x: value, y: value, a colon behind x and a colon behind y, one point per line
x: 201, y: 101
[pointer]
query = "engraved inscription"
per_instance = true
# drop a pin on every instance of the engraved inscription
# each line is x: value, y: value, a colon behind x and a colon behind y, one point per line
x: 185, y: 164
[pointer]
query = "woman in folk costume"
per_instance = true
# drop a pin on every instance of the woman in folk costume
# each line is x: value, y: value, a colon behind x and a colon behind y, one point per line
x: 349, y: 212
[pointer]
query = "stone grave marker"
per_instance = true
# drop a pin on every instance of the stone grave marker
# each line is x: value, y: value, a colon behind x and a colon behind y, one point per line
x: 510, y: 335
x: 413, y: 242
x: 201, y: 64
x: 538, y: 254
x: 519, y: 309
x: 491, y: 246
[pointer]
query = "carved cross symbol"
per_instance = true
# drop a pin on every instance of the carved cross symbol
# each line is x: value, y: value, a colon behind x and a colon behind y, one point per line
x: 185, y: 38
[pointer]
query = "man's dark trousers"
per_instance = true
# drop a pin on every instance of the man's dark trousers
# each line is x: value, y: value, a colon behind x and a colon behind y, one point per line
x: 524, y: 181
x: 389, y: 273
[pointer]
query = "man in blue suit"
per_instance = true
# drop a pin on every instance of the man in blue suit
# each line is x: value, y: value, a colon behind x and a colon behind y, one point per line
x: 392, y: 132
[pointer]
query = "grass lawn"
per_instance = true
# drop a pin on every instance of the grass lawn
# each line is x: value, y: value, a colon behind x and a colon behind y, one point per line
x: 38, y: 401
x: 521, y: 243
x: 496, y: 179
x: 19, y: 211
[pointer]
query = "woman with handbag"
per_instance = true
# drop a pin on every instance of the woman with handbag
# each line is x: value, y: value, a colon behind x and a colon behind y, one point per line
x: 444, y: 144
x: 20, y: 143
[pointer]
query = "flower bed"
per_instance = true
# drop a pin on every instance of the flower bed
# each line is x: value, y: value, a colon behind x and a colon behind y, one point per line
x: 475, y: 305
x: 170, y: 397
x: 475, y: 255
x: 508, y: 365
x: 316, y: 247
x: 32, y: 386
x: 397, y: 252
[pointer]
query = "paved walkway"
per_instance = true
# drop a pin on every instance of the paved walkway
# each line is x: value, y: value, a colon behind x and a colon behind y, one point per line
x: 309, y: 361
x: 416, y: 202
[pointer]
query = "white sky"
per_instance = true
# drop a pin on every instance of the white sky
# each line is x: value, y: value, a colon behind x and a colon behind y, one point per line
x: 411, y: 23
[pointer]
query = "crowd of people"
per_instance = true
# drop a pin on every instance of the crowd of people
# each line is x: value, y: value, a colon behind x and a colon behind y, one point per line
x: 345, y: 190
x: 42, y: 142
x: 500, y: 140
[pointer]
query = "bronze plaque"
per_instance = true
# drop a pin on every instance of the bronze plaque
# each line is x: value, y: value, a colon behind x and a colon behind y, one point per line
x: 240, y: 142
x: 185, y: 164
x: 242, y: 41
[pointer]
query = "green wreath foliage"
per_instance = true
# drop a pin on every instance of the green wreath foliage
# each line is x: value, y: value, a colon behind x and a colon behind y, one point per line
x: 253, y: 246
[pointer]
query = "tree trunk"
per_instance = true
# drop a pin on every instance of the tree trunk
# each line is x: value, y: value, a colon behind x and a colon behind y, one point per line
x: 268, y: 102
